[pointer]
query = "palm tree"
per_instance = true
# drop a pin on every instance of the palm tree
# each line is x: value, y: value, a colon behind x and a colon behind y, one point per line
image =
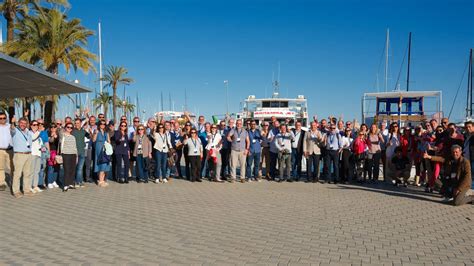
x: 11, y: 10
x: 49, y: 39
x: 127, y: 107
x: 114, y: 76
x: 103, y: 99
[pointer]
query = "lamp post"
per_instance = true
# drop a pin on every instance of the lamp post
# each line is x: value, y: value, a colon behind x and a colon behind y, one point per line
x: 226, y: 84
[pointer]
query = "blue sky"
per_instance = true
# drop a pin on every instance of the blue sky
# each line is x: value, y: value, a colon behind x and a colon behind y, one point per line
x: 329, y: 51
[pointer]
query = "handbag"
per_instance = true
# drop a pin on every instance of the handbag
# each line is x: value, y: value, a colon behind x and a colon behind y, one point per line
x: 59, y: 158
x: 109, y: 150
x: 104, y: 157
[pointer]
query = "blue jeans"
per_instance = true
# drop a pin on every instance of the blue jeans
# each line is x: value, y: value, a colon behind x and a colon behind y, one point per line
x: 53, y: 172
x: 81, y: 159
x: 296, y: 163
x: 253, y: 158
x: 42, y: 172
x: 161, y: 164
x: 141, y: 169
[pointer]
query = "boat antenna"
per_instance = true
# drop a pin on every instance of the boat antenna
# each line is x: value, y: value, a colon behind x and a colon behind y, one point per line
x: 387, y: 46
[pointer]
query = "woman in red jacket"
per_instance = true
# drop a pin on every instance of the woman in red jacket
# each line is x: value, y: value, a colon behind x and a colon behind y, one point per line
x: 359, y: 150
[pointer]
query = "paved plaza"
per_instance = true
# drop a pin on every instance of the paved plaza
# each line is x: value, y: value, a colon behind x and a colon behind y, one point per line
x: 253, y: 223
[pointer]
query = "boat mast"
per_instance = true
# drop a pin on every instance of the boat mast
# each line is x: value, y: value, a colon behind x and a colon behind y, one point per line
x: 469, y: 87
x: 100, y: 63
x: 387, y: 43
x: 409, y: 60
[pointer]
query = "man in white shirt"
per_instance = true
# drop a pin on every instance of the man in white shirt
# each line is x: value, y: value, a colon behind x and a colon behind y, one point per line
x: 5, y: 150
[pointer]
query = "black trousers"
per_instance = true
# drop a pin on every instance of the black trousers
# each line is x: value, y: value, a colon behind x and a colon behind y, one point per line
x: 187, y: 163
x: 374, y: 166
x: 273, y: 164
x: 195, y: 163
x: 225, y: 153
x: 346, y: 165
x: 312, y: 165
x: 118, y: 166
x: 179, y: 155
x: 69, y: 165
x: 332, y: 157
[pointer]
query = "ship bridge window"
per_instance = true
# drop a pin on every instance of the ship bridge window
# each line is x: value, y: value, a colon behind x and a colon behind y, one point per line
x: 275, y: 104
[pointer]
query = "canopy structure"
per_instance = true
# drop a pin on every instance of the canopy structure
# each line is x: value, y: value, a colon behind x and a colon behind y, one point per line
x: 19, y: 79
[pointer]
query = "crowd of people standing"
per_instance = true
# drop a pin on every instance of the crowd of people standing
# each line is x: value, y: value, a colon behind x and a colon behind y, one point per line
x: 69, y: 153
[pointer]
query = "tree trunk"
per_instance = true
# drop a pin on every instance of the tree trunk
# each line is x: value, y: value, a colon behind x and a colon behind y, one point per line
x: 10, y: 25
x: 114, y: 104
x: 106, y: 108
x: 48, y: 110
x: 27, y: 106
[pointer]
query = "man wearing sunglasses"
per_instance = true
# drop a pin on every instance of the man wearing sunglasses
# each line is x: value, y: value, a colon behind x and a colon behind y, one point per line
x: 5, y: 150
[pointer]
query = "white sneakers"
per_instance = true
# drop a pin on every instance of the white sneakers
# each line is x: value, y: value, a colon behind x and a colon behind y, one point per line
x: 157, y: 181
x: 50, y: 186
x: 55, y: 185
x: 37, y: 189
x: 165, y: 180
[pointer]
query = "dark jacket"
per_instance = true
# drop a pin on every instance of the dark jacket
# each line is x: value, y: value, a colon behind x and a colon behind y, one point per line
x: 299, y: 147
x: 121, y: 146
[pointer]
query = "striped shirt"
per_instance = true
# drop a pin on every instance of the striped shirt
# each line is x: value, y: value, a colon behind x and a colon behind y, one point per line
x: 68, y: 145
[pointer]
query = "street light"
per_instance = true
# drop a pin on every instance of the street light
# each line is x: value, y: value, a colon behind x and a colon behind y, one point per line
x: 226, y: 84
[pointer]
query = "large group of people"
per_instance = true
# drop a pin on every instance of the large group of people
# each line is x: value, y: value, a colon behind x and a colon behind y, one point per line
x: 68, y: 153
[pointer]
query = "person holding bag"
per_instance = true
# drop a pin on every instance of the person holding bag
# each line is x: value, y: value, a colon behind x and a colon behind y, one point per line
x: 68, y: 150
x: 102, y: 159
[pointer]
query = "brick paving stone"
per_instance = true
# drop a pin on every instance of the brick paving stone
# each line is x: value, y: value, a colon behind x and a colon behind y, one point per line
x: 228, y: 224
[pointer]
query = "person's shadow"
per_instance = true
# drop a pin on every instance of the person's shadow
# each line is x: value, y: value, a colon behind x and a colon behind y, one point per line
x: 390, y: 190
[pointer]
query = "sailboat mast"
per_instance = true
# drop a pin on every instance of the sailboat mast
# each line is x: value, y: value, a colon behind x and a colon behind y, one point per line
x: 409, y: 60
x: 100, y: 58
x: 469, y: 87
x: 387, y: 43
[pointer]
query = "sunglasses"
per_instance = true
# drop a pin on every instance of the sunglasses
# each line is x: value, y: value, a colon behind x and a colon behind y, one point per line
x: 136, y: 121
x: 69, y: 127
x: 58, y: 124
x: 34, y: 125
x: 123, y: 126
x: 3, y: 118
x: 141, y: 129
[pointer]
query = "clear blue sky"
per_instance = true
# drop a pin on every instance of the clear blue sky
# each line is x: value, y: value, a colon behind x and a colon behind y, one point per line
x: 328, y: 50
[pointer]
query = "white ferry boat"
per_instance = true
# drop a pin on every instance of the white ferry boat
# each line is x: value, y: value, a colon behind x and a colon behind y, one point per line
x: 285, y: 110
x: 174, y: 115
